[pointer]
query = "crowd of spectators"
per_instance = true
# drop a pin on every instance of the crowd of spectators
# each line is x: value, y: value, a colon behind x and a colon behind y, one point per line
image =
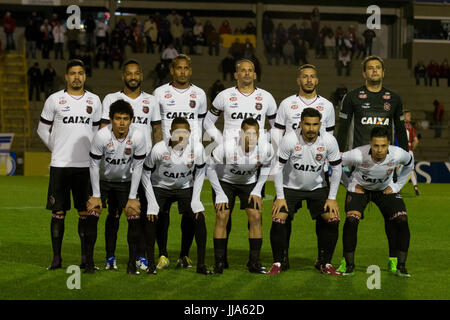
x: 432, y: 71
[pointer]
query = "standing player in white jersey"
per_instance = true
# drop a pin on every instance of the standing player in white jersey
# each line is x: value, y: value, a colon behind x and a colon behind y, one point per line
x: 290, y: 111
x: 117, y: 155
x: 66, y: 127
x: 372, y: 180
x: 238, y: 103
x: 176, y: 169
x: 300, y: 176
x: 240, y: 168
x: 180, y: 98
x: 146, y: 117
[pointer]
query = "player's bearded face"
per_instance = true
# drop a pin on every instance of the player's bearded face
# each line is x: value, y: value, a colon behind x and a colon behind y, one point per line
x: 374, y: 72
x: 76, y: 78
x: 310, y: 128
x: 121, y: 123
x: 308, y: 80
x: 132, y: 77
x: 379, y: 147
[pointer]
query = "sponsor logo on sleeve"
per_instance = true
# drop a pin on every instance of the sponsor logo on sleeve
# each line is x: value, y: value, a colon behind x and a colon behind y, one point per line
x: 387, y: 106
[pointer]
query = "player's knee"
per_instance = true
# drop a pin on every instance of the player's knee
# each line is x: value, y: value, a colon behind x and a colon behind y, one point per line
x: 326, y: 218
x: 222, y: 218
x: 254, y: 217
x: 353, y: 216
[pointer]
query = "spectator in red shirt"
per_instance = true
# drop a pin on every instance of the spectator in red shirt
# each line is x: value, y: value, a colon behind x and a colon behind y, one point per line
x: 413, y: 141
x: 444, y: 72
x: 438, y: 117
x: 9, y: 26
x: 433, y: 72
x: 225, y: 28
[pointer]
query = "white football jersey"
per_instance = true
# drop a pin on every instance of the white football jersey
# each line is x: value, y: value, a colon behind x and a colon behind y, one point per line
x: 304, y: 169
x: 189, y: 103
x: 237, y: 167
x: 371, y: 175
x: 172, y: 169
x: 145, y: 109
x: 116, y: 155
x: 291, y: 108
x: 72, y: 120
x: 237, y: 106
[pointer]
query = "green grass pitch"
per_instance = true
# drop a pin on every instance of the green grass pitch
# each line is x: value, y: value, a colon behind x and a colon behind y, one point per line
x: 25, y: 252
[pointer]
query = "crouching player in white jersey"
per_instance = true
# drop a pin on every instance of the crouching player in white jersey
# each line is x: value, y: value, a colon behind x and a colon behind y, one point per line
x: 372, y: 180
x: 117, y: 156
x: 300, y: 176
x: 176, y: 169
x: 240, y: 168
x: 67, y: 125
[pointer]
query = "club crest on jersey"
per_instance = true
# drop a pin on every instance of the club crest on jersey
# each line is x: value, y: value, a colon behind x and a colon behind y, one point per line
x: 319, y: 157
x: 145, y: 102
x: 387, y: 106
x: 110, y: 144
x: 168, y: 96
x: 89, y: 101
x: 362, y: 96
x: 89, y: 109
x: 62, y: 101
x: 388, y: 173
x: 294, y: 107
x: 233, y: 98
x: 166, y: 157
x: 145, y: 109
x: 320, y: 108
x: 258, y: 98
x: 387, y: 96
x: 192, y: 103
x: 193, y: 95
x: 127, y: 151
x: 129, y: 142
x: 258, y: 106
x: 321, y: 149
x: 298, y: 148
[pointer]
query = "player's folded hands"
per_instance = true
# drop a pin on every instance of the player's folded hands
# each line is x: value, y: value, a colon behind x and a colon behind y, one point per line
x: 95, y: 204
x: 133, y: 207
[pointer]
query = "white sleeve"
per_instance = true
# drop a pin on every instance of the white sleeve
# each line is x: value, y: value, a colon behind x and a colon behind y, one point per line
x: 156, y: 112
x: 152, y: 208
x: 196, y: 204
x: 97, y: 117
x: 284, y: 154
x: 330, y: 121
x: 46, y: 122
x: 271, y: 110
x: 137, y: 164
x: 105, y: 108
x: 211, y: 172
x: 407, y: 160
x: 95, y: 158
x: 211, y: 129
x: 264, y: 171
x: 352, y: 157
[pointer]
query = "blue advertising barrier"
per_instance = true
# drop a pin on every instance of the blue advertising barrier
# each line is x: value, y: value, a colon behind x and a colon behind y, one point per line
x: 433, y: 172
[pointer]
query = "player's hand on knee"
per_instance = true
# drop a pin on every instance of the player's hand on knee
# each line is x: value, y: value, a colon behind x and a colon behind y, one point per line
x: 388, y: 190
x: 331, y: 206
x: 133, y: 207
x: 198, y: 213
x: 221, y: 207
x: 257, y: 202
x: 277, y: 205
x: 94, y: 203
x: 359, y: 189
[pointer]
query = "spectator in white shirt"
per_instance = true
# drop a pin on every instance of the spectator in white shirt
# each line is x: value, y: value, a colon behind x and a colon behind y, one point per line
x: 58, y: 37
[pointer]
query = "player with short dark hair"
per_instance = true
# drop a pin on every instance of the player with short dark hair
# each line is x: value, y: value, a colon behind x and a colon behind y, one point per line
x: 146, y: 117
x: 240, y: 168
x: 372, y: 180
x: 299, y: 175
x: 369, y: 106
x: 117, y: 156
x: 179, y: 98
x: 176, y: 170
x: 289, y: 113
x: 67, y: 125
